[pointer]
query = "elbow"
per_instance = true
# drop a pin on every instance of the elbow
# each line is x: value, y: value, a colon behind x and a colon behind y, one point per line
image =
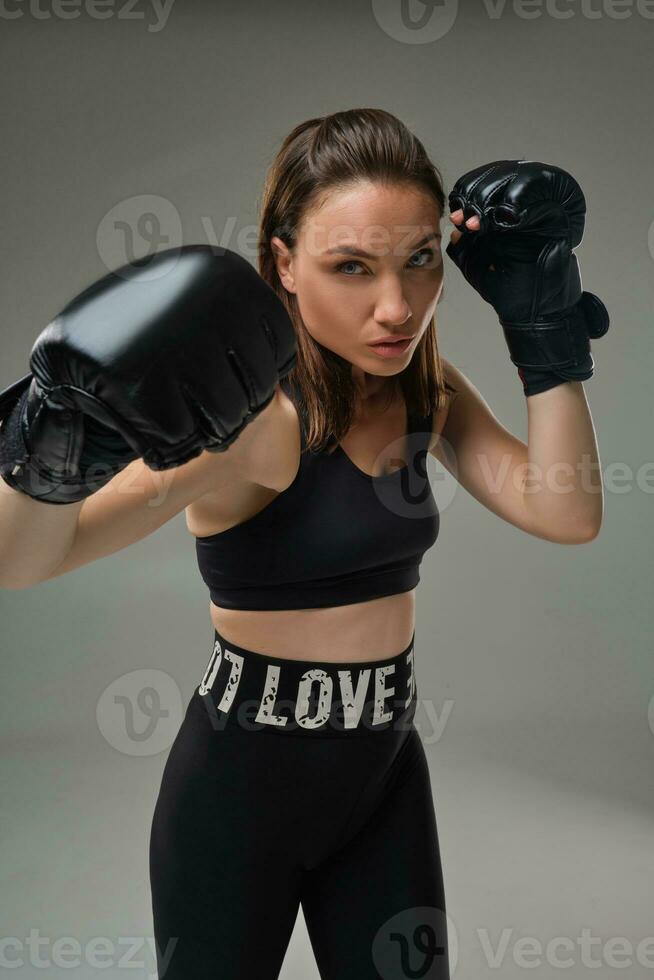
x: 582, y: 534
x: 590, y: 533
x: 576, y: 533
x: 582, y: 528
x: 592, y: 528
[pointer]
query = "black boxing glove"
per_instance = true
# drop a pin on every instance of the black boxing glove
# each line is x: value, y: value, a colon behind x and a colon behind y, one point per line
x: 27, y: 418
x: 521, y: 261
x: 165, y: 357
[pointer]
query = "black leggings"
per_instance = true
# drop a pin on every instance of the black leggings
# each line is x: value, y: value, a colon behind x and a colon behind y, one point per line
x: 298, y: 782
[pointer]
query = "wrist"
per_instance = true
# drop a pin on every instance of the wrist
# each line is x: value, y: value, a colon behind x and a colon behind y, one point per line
x: 534, y: 382
x: 556, y: 348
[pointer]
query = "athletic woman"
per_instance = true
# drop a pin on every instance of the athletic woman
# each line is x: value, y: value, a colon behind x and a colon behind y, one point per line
x: 289, y: 412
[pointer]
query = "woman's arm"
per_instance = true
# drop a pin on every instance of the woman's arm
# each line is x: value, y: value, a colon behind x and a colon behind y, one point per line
x: 551, y: 487
x: 138, y: 500
x: 34, y: 536
x: 146, y: 369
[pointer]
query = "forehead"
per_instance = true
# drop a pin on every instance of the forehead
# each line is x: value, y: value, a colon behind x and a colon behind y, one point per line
x: 354, y: 209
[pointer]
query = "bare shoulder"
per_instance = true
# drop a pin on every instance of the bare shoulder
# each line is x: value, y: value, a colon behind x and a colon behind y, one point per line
x: 271, y: 444
x: 262, y: 462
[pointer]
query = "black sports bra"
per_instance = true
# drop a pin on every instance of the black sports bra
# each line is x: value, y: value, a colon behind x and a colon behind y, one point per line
x: 335, y: 536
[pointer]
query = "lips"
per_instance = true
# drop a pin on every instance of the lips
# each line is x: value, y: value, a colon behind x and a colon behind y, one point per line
x: 391, y: 340
x: 396, y: 349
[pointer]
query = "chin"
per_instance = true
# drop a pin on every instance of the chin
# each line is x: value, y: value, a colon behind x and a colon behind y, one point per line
x: 386, y: 369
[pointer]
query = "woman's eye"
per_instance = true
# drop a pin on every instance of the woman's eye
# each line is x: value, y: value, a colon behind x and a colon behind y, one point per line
x: 341, y: 267
x: 426, y: 253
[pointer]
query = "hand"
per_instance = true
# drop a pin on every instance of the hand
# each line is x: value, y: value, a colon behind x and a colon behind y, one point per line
x: 516, y: 225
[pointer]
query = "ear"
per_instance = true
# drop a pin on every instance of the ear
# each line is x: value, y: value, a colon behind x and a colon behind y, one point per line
x: 283, y: 263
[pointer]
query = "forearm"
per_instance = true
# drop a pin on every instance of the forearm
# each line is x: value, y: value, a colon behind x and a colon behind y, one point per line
x: 35, y: 536
x: 562, y: 484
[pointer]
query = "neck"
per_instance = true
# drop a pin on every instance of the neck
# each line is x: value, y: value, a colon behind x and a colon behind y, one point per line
x: 368, y: 385
x: 372, y: 392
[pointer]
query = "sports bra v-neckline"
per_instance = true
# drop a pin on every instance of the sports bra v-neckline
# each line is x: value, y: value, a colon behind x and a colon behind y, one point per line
x: 409, y: 429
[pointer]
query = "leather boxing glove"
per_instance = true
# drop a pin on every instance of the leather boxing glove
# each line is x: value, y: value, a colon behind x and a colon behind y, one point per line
x: 521, y: 261
x: 162, y: 359
x: 56, y: 435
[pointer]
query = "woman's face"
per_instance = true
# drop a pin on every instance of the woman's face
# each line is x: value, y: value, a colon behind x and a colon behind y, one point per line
x: 367, y: 265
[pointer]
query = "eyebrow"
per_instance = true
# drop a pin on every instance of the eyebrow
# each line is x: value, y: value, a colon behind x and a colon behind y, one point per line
x: 355, y: 250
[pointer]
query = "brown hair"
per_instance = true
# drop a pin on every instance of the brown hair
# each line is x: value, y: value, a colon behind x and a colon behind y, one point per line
x: 319, y: 155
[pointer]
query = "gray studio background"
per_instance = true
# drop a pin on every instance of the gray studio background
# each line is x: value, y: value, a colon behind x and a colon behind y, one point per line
x: 536, y: 658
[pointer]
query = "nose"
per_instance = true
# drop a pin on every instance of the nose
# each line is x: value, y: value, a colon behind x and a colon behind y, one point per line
x: 392, y: 307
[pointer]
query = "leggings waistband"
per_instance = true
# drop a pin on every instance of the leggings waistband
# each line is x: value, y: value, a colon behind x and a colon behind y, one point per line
x: 261, y: 693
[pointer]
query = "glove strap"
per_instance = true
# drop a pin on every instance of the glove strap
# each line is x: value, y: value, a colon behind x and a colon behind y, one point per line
x: 549, y: 352
x: 102, y: 451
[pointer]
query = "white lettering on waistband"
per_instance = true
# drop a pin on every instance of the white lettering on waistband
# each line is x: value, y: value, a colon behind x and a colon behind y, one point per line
x: 233, y: 680
x: 353, y: 703
x: 381, y: 693
x: 265, y: 713
x: 324, y: 698
x: 411, y: 682
x: 212, y: 669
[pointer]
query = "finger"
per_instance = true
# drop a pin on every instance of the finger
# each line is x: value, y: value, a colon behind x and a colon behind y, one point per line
x: 472, y: 224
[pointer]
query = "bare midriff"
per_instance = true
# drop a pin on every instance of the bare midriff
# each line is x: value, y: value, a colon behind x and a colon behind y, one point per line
x: 371, y: 630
